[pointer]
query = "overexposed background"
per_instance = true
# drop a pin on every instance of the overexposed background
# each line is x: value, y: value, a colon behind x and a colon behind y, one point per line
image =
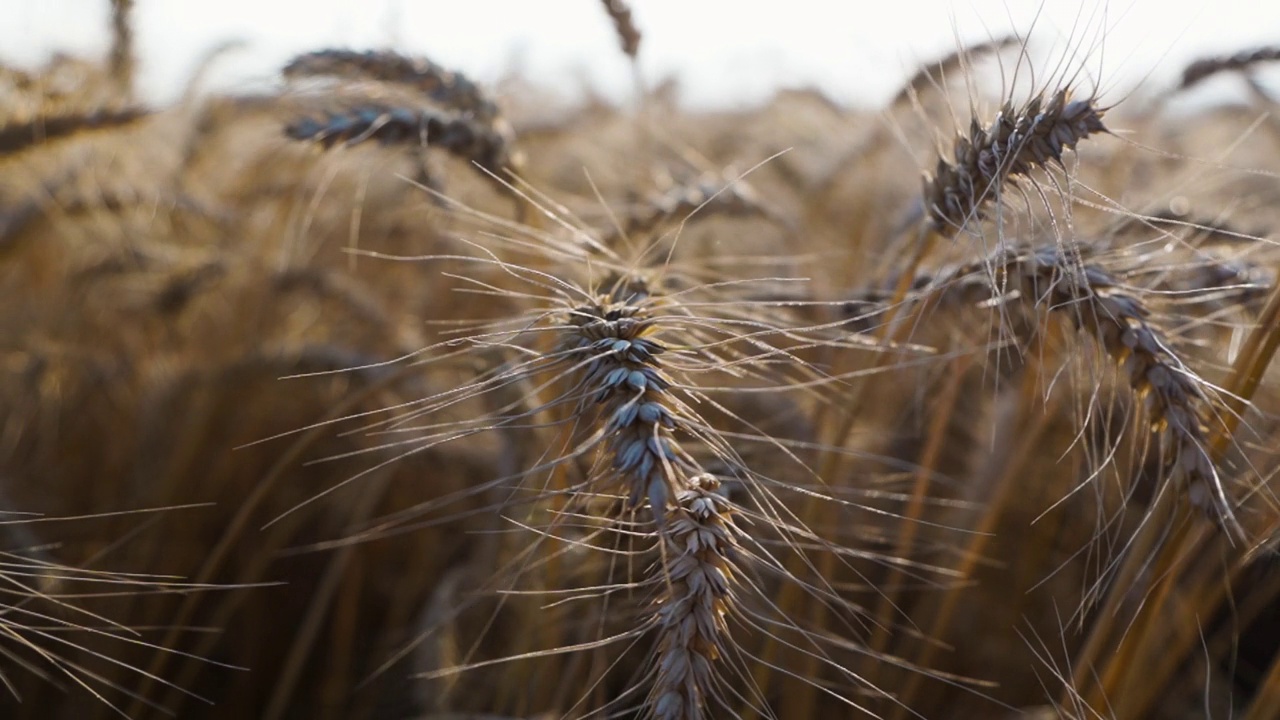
x: 723, y: 51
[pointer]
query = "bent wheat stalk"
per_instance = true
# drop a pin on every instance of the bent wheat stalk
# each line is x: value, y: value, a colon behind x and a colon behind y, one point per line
x: 120, y: 60
x: 1179, y: 403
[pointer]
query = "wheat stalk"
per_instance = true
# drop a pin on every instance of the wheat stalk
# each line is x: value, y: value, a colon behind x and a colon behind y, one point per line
x: 120, y: 60
x: 935, y: 73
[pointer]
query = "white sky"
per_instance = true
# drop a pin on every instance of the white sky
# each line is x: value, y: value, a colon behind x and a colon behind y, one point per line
x: 725, y: 51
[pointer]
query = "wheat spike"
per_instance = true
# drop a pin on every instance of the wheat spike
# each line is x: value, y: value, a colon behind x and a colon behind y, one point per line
x: 458, y: 134
x: 628, y: 34
x: 1018, y: 141
x: 705, y: 195
x: 1201, y: 69
x: 701, y: 544
x: 614, y: 342
x: 932, y: 74
x: 16, y: 137
x: 449, y: 88
x: 1098, y: 305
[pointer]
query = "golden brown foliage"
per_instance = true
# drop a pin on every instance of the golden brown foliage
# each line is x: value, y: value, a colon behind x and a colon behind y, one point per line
x: 684, y: 443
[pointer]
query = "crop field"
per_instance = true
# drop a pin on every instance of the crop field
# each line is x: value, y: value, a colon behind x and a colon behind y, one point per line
x: 389, y: 394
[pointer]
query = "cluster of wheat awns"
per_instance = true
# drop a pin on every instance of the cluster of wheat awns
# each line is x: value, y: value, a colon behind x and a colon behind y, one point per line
x: 362, y: 399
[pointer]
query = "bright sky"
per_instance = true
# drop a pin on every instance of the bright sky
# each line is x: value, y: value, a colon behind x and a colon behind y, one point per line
x: 725, y: 51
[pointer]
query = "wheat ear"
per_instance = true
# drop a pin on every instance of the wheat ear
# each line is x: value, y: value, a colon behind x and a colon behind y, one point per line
x: 449, y: 88
x: 625, y: 377
x: 628, y: 34
x: 1018, y: 141
x: 1205, y: 67
x: 1099, y: 305
x: 694, y: 529
x: 17, y: 137
x: 701, y: 544
x: 706, y: 195
x: 934, y: 73
x: 615, y: 341
x: 458, y: 134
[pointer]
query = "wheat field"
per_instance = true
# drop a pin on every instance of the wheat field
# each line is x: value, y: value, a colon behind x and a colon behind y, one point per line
x: 392, y: 395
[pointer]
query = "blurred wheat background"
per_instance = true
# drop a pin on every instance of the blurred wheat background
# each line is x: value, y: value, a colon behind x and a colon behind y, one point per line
x: 376, y: 369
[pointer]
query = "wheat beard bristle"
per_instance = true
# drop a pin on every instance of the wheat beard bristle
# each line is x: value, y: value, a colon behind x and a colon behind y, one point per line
x: 935, y: 73
x: 1017, y: 142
